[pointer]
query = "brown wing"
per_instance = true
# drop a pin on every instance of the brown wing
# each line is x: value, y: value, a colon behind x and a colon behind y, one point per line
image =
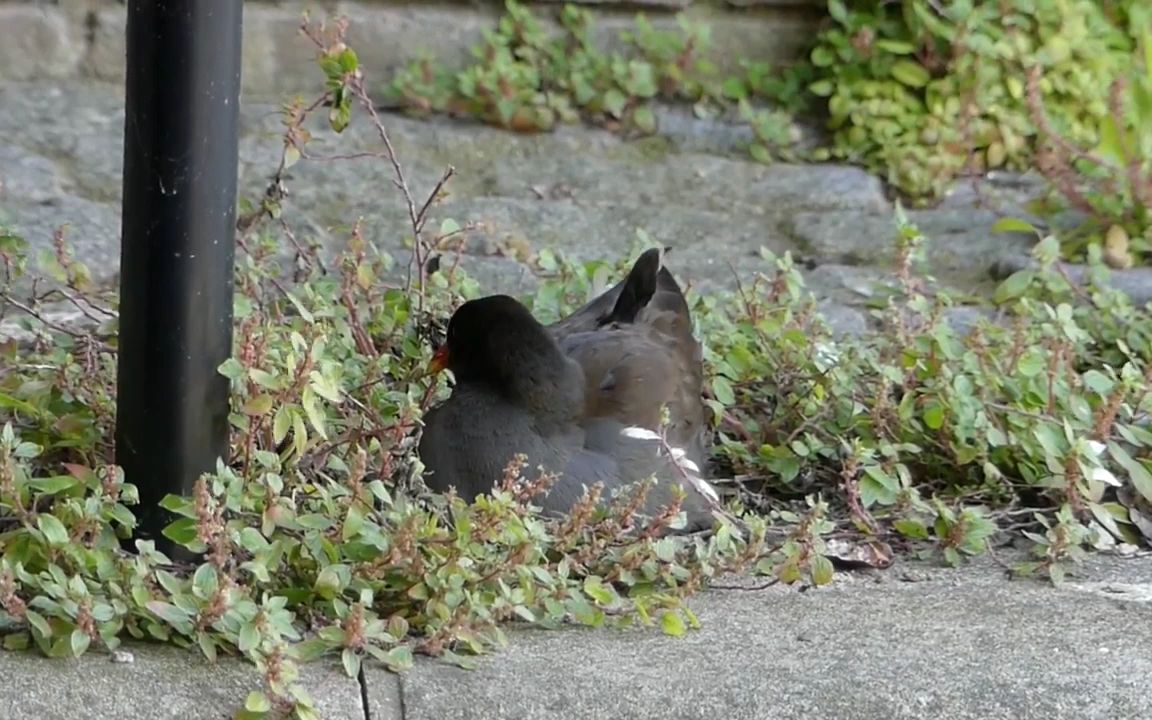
x: 638, y: 352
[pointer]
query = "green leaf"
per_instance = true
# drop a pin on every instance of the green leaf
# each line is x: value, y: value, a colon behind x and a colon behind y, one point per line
x: 315, y: 521
x: 952, y: 557
x: 18, y: 641
x: 79, y: 642
x: 205, y: 581
x: 822, y: 570
x: 822, y: 88
x: 760, y: 153
x: 1106, y: 519
x: 179, y: 505
x: 53, y: 529
x: 644, y: 119
x: 53, y: 484
x: 265, y: 379
x: 312, y: 409
x: 291, y: 156
x: 257, y: 702
x: 249, y: 638
x: 182, y: 531
x: 174, y: 616
x: 672, y: 624
x: 896, y: 47
x: 882, y: 476
x: 822, y: 56
x: 615, y: 102
x: 838, y: 11
x: 449, y: 226
x: 325, y: 387
x: 734, y: 88
x: 299, y: 434
x: 351, y: 661
x: 1014, y: 286
x: 348, y: 60
x: 1110, y: 147
x: 873, y: 492
x: 353, y: 523
x: 27, y: 451
x: 1137, y: 472
x: 231, y: 369
x: 331, y: 581
x: 258, y: 405
x: 1014, y: 225
x: 7, y: 401
x: 311, y: 649
x: 595, y: 588
x: 909, y: 528
x: 585, y: 613
x: 722, y: 390
x: 934, y: 415
x: 1098, y: 382
x: 1032, y: 362
x: 39, y: 625
x: 400, y: 658
x: 911, y: 73
x: 282, y: 423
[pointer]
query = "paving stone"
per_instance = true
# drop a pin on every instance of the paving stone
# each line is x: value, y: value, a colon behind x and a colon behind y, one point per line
x: 27, y: 176
x: 964, y: 644
x: 159, y: 683
x: 960, y: 244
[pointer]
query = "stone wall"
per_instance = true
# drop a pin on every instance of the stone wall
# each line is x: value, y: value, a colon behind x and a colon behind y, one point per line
x: 64, y: 39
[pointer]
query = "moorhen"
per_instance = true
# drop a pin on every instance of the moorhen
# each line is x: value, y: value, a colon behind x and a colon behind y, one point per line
x: 636, y: 346
x: 517, y: 392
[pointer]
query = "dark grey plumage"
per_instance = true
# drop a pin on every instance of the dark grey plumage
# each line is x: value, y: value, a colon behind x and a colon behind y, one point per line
x: 518, y: 392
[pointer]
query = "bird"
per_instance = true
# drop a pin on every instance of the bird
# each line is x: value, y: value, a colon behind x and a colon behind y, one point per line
x: 516, y: 391
x: 637, y: 347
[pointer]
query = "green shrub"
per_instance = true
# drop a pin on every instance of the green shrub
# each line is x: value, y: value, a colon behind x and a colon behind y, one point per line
x: 923, y: 91
x: 528, y: 79
x: 1047, y: 409
x: 1110, y: 181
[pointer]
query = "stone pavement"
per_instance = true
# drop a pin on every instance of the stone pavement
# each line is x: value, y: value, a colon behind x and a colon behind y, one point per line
x: 915, y: 641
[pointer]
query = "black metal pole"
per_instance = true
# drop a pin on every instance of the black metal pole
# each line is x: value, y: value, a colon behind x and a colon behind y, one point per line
x: 176, y: 278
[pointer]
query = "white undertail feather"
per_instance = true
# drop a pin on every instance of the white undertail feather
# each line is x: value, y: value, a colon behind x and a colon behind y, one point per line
x: 639, y: 433
x: 689, y: 469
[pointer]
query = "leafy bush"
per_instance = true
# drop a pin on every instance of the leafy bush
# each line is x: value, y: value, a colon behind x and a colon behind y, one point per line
x: 1048, y: 408
x: 526, y: 78
x: 923, y: 91
x: 529, y: 79
x: 1111, y: 182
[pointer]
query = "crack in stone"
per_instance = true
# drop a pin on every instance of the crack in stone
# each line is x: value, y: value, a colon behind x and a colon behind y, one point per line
x: 364, y: 704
